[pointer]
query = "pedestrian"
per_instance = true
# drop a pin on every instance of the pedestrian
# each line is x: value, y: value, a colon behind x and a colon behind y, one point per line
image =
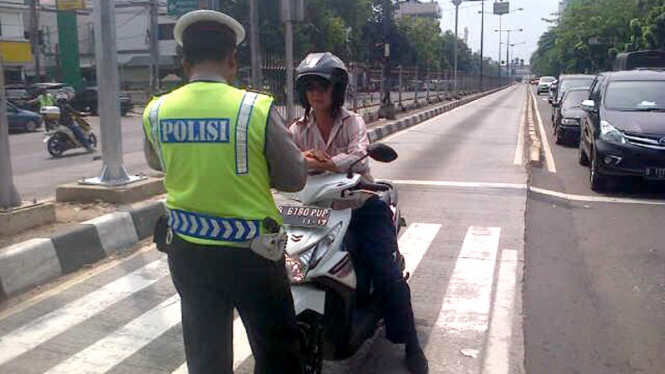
x: 333, y: 139
x: 222, y: 149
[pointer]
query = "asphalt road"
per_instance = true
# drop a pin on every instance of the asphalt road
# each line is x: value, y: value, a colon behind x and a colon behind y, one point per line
x: 594, y: 292
x: 464, y: 199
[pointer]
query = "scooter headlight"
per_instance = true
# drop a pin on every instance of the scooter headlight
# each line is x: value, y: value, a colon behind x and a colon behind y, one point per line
x: 297, y: 267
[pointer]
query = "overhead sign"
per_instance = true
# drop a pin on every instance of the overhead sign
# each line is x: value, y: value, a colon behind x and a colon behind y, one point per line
x: 502, y: 8
x: 180, y: 7
x: 70, y: 4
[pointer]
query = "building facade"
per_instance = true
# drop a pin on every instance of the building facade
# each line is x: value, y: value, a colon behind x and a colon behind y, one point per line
x: 14, y: 47
x: 133, y: 44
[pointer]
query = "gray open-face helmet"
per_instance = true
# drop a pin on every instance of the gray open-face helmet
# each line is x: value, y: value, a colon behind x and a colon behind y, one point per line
x: 324, y: 66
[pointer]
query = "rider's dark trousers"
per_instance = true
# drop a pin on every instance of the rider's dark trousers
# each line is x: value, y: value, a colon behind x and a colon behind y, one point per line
x: 212, y: 281
x: 376, y: 238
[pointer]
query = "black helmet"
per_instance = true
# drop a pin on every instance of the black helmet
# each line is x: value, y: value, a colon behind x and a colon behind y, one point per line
x: 324, y: 66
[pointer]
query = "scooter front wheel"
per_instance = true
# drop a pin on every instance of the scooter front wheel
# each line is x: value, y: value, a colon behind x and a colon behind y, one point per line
x: 310, y: 330
x: 56, y: 146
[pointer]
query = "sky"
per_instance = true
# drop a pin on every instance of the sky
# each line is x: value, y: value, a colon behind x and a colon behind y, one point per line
x: 530, y: 20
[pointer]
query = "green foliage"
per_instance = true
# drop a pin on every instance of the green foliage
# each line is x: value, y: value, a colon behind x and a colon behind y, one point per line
x: 630, y: 25
x: 353, y: 30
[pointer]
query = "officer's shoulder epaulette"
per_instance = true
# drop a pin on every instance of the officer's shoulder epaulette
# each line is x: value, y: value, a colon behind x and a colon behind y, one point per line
x: 266, y: 93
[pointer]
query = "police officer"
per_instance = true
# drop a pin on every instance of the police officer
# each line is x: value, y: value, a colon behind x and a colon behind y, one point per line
x: 222, y: 149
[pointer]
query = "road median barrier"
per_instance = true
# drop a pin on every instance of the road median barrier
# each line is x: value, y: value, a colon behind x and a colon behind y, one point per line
x: 535, y: 144
x: 30, y: 263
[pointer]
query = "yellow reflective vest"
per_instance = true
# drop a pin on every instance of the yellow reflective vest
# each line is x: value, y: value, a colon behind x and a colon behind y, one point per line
x: 210, y: 138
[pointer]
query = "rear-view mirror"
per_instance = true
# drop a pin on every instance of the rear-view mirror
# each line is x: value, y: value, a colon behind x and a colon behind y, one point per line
x: 588, y: 106
x: 381, y: 152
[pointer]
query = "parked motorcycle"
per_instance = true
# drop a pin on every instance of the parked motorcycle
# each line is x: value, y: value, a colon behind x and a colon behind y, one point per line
x: 335, y: 305
x: 61, y: 138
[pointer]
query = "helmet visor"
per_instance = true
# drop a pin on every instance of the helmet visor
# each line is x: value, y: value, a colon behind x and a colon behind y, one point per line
x: 314, y: 83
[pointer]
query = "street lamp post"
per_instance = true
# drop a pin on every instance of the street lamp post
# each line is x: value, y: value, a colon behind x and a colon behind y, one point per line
x: 507, y: 49
x: 513, y: 55
x: 500, y: 30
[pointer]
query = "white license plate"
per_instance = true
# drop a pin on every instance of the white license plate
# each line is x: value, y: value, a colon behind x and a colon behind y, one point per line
x: 305, y: 216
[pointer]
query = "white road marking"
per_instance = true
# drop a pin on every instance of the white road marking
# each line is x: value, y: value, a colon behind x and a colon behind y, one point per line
x: 182, y: 369
x: 124, y: 342
x: 595, y: 199
x: 413, y: 244
x: 433, y: 119
x: 549, y: 157
x: 46, y: 327
x: 22, y: 305
x: 497, y: 358
x: 541, y: 191
x: 519, y: 150
x: 466, y: 305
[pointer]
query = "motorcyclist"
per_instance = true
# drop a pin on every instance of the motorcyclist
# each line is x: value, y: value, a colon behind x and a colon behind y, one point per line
x: 332, y: 139
x: 43, y: 98
x: 67, y: 113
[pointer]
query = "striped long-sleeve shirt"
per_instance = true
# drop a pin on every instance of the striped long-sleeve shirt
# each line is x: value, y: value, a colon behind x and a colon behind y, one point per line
x: 347, y: 142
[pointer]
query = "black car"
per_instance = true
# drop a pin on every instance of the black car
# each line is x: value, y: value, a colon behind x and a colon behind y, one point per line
x: 623, y: 130
x: 567, y: 82
x: 87, y: 100
x: 22, y: 120
x: 569, y: 116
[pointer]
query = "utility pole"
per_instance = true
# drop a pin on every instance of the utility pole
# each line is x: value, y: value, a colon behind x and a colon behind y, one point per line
x: 482, y: 40
x: 154, y: 46
x: 254, y: 45
x: 508, y: 56
x: 113, y: 172
x: 290, y: 112
x: 34, y: 38
x: 500, y: 31
x: 387, y: 109
x: 9, y: 197
x: 457, y: 4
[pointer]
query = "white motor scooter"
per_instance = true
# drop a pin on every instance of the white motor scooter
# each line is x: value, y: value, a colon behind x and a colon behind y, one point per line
x: 334, y: 303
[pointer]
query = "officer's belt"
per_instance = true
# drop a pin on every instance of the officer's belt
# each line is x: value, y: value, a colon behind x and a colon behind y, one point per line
x: 205, y: 226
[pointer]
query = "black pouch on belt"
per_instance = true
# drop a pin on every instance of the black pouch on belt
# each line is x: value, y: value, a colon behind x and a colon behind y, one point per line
x: 161, y: 234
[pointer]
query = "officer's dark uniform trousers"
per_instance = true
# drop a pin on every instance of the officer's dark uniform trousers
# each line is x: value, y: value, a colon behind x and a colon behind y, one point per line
x: 211, y: 281
x: 375, y: 234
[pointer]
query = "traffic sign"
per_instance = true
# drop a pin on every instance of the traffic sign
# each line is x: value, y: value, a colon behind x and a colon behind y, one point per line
x: 180, y: 7
x: 70, y: 4
x: 501, y: 8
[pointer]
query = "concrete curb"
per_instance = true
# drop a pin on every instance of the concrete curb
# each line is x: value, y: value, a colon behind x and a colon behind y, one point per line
x: 33, y: 262
x: 36, y: 261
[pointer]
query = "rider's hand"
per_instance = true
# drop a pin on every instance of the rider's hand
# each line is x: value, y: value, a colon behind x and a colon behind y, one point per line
x: 317, y: 165
x: 321, y: 156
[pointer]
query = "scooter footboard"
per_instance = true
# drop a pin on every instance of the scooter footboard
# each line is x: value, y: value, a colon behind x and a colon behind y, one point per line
x: 307, y: 297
